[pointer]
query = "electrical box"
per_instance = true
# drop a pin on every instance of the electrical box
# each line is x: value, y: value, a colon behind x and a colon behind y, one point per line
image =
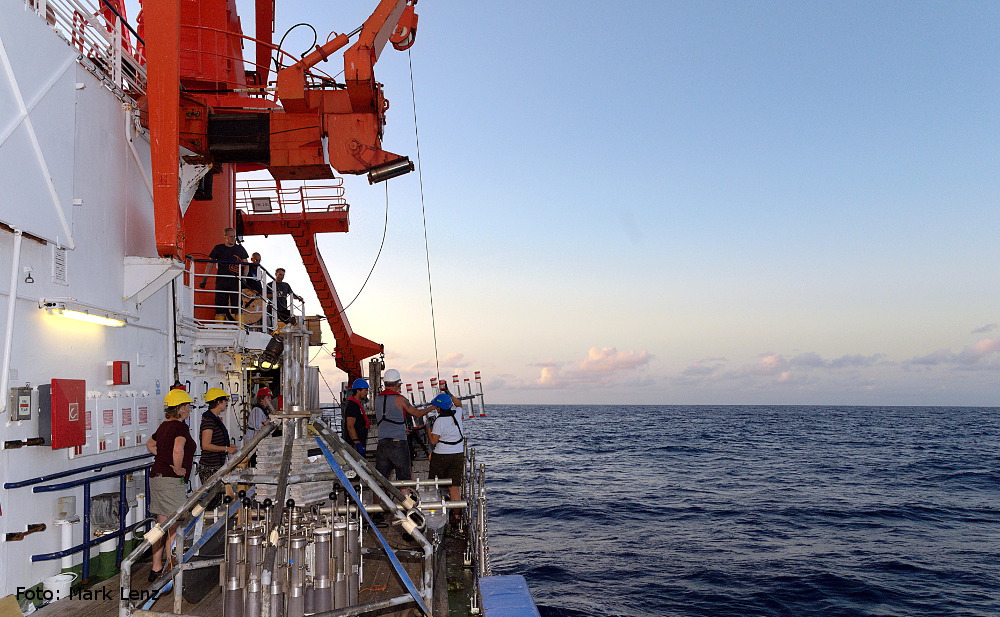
x: 120, y: 370
x: 142, y: 409
x: 45, y: 412
x: 69, y: 405
x: 90, y: 430
x: 107, y: 427
x: 20, y: 404
x: 126, y: 422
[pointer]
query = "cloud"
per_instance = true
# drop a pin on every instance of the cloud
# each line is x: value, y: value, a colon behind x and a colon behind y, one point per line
x: 772, y: 367
x: 455, y: 360
x: 702, y: 368
x: 449, y: 364
x: 984, y: 353
x: 990, y: 327
x: 610, y: 360
x: 602, y: 367
x: 426, y: 364
x: 548, y: 363
x: 857, y: 361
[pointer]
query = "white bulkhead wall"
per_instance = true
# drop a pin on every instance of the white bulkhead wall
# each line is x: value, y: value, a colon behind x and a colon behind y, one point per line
x: 109, y: 215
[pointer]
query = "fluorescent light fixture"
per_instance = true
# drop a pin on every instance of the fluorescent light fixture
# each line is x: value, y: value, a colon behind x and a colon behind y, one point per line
x: 71, y: 309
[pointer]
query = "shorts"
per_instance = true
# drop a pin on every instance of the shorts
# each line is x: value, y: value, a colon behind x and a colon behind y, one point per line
x: 448, y: 466
x: 166, y: 495
x: 393, y: 454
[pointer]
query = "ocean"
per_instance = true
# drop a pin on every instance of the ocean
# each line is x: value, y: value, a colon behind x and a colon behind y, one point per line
x: 743, y: 511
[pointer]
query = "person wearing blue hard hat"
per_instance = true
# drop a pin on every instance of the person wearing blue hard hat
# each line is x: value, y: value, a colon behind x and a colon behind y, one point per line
x: 356, y: 422
x: 448, y: 439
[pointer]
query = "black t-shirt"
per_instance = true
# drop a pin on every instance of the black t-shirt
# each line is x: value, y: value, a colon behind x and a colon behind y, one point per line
x: 284, y: 290
x: 353, y: 410
x: 220, y: 437
x: 229, y: 258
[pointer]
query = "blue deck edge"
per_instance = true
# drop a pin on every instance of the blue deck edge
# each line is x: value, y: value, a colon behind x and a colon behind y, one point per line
x: 506, y: 596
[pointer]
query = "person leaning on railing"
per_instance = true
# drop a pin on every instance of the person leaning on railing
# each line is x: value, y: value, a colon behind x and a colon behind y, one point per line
x: 173, y: 455
x: 230, y: 258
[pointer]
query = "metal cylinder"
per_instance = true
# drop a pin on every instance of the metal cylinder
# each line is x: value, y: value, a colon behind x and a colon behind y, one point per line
x: 340, y: 565
x: 297, y: 562
x: 354, y: 561
x: 310, y: 597
x: 255, y: 554
x: 301, y: 424
x: 234, y: 555
x: 296, y: 576
x: 277, y: 599
x: 233, y: 599
x: 322, y: 583
x: 296, y: 603
x: 253, y: 597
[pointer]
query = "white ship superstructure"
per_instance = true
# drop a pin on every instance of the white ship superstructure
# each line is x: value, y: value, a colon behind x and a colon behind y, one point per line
x: 77, y: 239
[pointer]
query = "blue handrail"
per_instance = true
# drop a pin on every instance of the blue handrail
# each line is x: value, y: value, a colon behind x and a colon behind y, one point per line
x: 122, y: 510
x: 85, y: 481
x: 71, y: 472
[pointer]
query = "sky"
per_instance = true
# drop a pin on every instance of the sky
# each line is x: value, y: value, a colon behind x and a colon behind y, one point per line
x: 754, y: 202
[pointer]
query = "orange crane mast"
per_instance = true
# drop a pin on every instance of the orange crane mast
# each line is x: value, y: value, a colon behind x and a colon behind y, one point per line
x: 205, y: 108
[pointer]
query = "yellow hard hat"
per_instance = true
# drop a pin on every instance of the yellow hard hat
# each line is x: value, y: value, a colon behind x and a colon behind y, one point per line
x: 177, y: 397
x: 215, y: 393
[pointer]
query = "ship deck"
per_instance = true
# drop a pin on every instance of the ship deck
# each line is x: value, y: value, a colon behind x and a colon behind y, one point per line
x: 379, y: 580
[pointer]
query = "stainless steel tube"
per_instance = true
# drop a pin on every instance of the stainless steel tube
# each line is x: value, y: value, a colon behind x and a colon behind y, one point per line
x: 126, y: 577
x: 253, y: 598
x: 354, y: 561
x: 323, y: 595
x: 340, y: 565
x: 269, y: 574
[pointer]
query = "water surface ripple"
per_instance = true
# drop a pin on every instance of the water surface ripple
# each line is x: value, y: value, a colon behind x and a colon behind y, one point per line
x: 746, y: 511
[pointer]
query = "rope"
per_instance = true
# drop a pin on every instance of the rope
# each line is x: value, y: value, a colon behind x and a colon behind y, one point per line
x: 385, y: 227
x: 423, y: 212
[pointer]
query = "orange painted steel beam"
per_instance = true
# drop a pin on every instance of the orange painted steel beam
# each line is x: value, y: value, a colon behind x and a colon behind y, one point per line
x: 162, y: 36
x: 264, y: 16
x: 351, y: 119
x: 352, y: 348
x: 277, y: 224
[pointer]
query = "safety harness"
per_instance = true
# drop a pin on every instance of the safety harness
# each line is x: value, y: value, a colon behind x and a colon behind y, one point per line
x: 385, y: 400
x: 461, y: 437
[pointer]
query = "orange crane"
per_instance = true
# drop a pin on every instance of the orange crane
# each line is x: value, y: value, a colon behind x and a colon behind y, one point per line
x: 203, y: 107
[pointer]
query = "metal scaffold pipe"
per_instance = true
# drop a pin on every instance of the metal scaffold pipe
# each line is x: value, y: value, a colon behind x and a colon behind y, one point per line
x: 268, y: 575
x: 124, y: 607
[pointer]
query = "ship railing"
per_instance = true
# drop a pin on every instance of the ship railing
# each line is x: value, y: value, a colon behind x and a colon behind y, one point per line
x: 223, y: 48
x: 39, y: 486
x: 265, y: 196
x: 477, y: 551
x: 102, y: 35
x: 248, y: 300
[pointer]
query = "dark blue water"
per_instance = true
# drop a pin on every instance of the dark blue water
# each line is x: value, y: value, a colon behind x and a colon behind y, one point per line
x: 746, y: 511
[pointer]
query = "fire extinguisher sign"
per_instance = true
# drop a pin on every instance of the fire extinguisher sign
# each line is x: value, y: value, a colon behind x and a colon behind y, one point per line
x: 68, y: 398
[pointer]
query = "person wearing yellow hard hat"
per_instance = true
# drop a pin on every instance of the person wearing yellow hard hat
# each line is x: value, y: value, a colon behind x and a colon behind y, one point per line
x: 215, y: 442
x: 173, y: 456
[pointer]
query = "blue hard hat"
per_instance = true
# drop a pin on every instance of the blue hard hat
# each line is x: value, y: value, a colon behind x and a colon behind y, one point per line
x: 443, y: 401
x: 360, y: 384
